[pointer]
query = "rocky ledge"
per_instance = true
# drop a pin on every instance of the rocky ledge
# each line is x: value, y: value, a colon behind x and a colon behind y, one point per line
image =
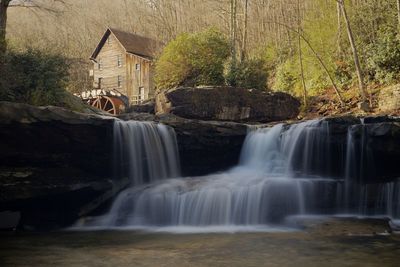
x: 56, y: 165
x: 227, y: 104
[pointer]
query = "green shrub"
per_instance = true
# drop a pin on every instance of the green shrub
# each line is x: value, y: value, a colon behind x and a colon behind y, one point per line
x: 384, y: 57
x: 33, y: 77
x: 251, y: 73
x: 285, y: 79
x: 192, y: 60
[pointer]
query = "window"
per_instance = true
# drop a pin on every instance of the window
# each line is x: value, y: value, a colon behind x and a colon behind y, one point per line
x: 119, y: 61
x: 137, y: 66
x: 119, y: 81
x: 100, y: 64
x: 141, y: 93
x: 100, y: 80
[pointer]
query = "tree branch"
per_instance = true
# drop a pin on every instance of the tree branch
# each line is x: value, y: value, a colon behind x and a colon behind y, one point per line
x: 315, y: 54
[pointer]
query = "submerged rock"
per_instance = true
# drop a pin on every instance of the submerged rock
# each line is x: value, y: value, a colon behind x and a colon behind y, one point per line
x: 227, y: 104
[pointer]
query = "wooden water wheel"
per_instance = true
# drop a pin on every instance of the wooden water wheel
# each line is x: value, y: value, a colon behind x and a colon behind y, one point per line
x: 110, y: 104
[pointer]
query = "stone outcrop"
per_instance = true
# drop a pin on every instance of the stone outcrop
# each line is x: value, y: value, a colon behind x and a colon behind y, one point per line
x: 389, y: 98
x: 145, y: 107
x: 227, y: 104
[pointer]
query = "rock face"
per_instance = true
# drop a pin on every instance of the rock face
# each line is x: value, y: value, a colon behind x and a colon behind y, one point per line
x: 374, y: 150
x: 52, y: 161
x: 206, y: 146
x: 227, y: 104
x: 146, y: 107
x: 389, y: 98
x: 56, y: 165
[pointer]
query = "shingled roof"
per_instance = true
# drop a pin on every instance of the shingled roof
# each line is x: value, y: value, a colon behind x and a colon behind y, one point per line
x: 131, y: 42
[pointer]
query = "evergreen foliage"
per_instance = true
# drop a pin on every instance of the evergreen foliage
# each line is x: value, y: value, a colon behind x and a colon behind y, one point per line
x: 33, y: 77
x: 383, y: 57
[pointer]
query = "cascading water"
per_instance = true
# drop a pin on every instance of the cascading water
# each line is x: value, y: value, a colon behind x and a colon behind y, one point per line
x: 363, y: 198
x: 145, y: 152
x: 281, y: 173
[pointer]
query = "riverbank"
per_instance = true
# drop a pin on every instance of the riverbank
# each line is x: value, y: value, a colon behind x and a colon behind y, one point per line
x: 337, y: 242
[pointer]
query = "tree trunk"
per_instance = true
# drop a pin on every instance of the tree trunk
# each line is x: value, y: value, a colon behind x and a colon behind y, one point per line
x: 339, y: 34
x: 3, y: 24
x: 245, y: 22
x: 364, y: 104
x: 398, y: 11
x: 318, y: 57
x: 301, y: 55
x: 233, y: 30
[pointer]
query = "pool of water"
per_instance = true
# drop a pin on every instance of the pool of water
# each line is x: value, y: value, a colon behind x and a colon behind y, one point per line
x: 341, y: 242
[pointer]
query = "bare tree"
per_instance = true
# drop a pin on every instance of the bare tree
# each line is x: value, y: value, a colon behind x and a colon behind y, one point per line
x: 299, y: 29
x: 233, y: 29
x: 6, y: 4
x: 317, y: 56
x: 364, y: 103
x: 339, y: 25
x: 398, y: 11
x: 245, y: 30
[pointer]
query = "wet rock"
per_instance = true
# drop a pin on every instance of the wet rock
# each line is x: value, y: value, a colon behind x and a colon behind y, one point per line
x: 56, y: 164
x: 146, y: 107
x: 52, y: 160
x: 227, y: 104
x: 206, y: 146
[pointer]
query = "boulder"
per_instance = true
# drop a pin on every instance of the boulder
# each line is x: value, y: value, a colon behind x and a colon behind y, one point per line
x: 389, y: 98
x: 227, y: 104
x: 146, y: 107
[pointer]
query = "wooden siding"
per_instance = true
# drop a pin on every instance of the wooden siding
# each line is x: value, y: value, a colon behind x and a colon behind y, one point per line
x: 138, y: 78
x: 131, y: 78
x: 108, y: 56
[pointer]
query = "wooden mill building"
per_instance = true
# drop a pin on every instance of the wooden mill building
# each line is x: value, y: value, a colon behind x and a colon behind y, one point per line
x: 123, y: 62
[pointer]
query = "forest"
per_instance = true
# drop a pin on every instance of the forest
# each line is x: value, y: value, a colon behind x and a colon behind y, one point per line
x: 347, y: 49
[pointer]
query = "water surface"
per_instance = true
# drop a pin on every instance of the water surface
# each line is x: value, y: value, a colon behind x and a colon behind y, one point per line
x: 337, y: 243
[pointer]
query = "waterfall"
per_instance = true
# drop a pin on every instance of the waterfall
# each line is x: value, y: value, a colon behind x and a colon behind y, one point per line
x: 283, y: 171
x: 145, y: 152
